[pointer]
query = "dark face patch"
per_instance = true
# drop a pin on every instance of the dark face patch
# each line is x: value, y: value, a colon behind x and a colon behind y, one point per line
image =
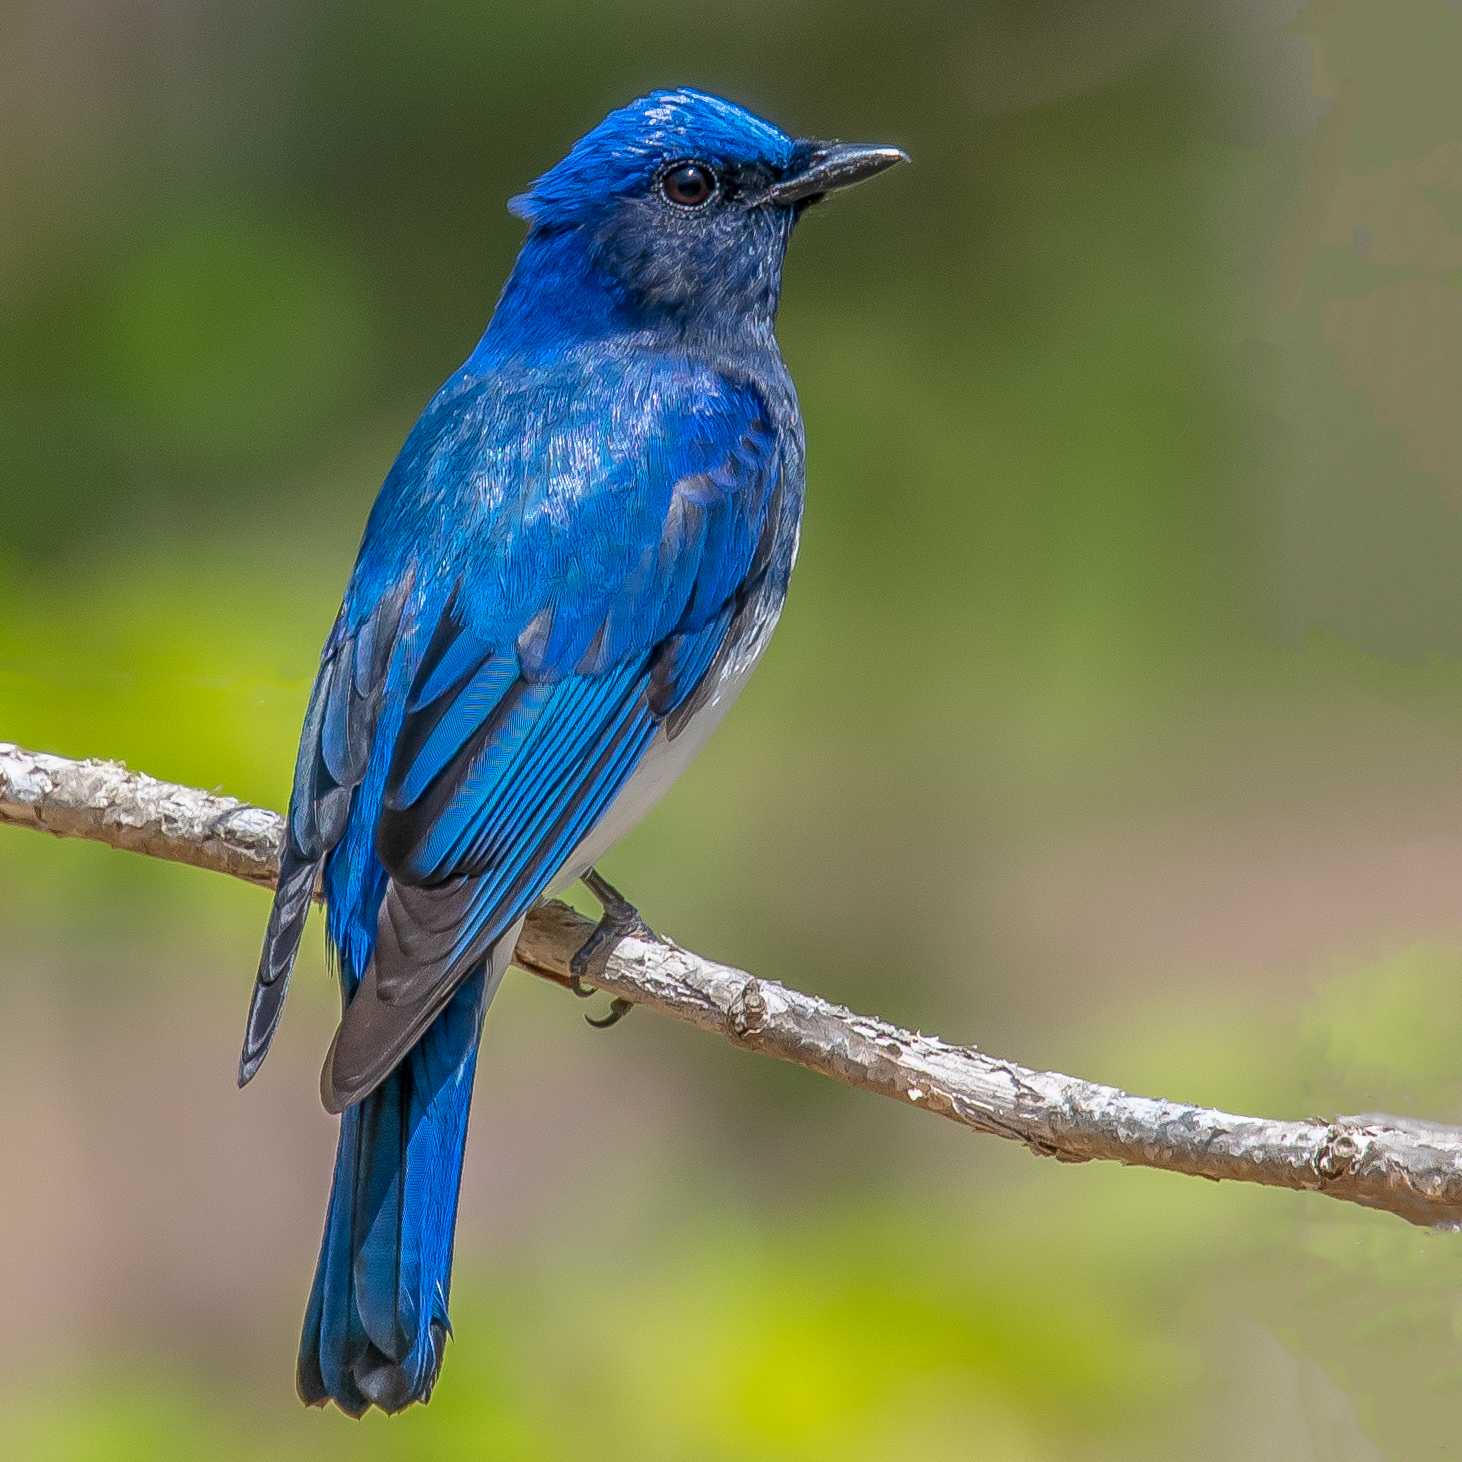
x: 697, y: 240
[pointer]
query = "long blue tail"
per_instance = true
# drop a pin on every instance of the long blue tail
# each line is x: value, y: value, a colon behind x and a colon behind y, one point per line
x: 377, y: 1322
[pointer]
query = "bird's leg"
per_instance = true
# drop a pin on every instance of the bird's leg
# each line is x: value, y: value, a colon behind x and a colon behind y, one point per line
x: 619, y: 920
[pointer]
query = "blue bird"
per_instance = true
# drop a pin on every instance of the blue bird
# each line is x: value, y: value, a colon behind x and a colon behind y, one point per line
x: 570, y: 572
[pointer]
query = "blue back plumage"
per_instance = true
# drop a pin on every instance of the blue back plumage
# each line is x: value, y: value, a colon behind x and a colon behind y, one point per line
x: 591, y: 521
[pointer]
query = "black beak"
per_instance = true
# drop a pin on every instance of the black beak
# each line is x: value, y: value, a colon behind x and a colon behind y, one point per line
x: 826, y: 166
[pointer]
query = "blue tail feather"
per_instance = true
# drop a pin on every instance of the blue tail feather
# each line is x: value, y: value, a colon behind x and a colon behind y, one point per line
x: 377, y: 1326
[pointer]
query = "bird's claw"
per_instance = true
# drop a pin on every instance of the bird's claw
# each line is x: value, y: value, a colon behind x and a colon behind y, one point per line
x: 619, y: 1007
x: 620, y: 920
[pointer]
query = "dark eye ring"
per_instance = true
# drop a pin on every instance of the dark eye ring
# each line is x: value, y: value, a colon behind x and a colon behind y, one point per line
x: 689, y: 185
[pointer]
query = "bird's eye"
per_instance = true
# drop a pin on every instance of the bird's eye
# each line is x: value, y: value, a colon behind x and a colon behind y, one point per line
x: 689, y: 185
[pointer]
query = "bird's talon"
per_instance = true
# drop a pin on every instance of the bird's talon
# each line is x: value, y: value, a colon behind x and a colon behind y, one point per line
x: 619, y: 1007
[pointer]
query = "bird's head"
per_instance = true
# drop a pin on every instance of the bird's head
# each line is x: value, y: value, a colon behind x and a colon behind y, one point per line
x: 675, y: 211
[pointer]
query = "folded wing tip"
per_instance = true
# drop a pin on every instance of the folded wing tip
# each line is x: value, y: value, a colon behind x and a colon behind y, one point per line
x: 332, y: 1098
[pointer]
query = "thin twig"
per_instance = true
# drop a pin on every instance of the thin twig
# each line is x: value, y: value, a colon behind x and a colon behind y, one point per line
x: 1412, y: 1169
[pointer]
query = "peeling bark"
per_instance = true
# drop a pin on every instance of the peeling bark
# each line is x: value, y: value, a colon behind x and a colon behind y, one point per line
x: 1412, y: 1169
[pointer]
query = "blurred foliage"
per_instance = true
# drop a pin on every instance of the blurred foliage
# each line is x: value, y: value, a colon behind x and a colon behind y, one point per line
x: 1106, y: 521
x: 1391, y: 1032
x: 225, y: 340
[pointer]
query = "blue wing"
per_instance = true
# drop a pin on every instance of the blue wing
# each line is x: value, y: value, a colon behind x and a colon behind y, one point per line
x: 335, y: 748
x: 571, y: 564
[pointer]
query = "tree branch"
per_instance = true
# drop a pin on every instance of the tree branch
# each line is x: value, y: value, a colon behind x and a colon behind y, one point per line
x: 1412, y: 1169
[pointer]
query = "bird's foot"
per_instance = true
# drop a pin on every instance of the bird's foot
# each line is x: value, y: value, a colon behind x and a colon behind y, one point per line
x: 619, y: 920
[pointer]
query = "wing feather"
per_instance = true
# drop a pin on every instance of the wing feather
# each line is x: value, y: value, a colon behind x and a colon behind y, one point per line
x: 335, y: 744
x: 581, y: 593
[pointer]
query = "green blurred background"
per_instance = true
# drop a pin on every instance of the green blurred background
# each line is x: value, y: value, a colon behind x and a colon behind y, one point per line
x: 1115, y: 723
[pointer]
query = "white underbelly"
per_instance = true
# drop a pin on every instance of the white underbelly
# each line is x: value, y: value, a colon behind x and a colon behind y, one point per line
x: 665, y: 759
